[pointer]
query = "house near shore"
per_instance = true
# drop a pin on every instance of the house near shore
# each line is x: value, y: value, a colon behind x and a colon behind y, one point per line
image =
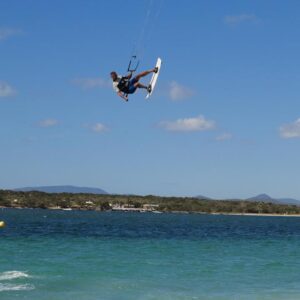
x: 131, y: 207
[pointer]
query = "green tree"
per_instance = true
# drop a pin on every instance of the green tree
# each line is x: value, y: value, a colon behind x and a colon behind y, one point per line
x: 105, y: 206
x: 4, y: 202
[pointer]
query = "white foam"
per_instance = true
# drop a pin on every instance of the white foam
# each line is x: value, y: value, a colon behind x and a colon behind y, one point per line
x: 4, y: 287
x: 9, y: 275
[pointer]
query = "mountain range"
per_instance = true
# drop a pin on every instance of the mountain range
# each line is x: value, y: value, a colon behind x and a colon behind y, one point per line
x: 264, y: 198
x: 88, y: 190
x: 63, y: 189
x: 267, y: 198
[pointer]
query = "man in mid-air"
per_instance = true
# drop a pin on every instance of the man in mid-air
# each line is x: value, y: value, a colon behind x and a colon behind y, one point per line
x: 125, y: 85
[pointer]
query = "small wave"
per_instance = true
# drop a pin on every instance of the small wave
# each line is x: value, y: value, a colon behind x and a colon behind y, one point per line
x: 4, y: 287
x: 9, y: 275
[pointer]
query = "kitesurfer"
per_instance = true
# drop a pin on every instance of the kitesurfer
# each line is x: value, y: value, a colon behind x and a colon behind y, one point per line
x: 124, y: 85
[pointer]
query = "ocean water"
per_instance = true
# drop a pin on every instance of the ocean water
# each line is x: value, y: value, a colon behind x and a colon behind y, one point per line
x: 61, y: 255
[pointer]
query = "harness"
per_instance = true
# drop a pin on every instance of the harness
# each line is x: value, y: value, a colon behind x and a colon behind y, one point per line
x: 123, y: 84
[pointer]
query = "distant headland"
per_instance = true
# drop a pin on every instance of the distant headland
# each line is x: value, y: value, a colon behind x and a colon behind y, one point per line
x: 150, y: 203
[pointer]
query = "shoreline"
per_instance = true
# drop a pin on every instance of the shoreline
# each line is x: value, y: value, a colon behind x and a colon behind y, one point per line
x: 256, y: 215
x: 162, y: 212
x: 143, y: 204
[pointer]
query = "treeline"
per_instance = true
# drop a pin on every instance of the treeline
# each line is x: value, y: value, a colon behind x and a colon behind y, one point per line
x: 165, y: 204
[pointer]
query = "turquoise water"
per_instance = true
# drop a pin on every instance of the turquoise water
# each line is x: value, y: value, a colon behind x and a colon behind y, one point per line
x: 61, y: 255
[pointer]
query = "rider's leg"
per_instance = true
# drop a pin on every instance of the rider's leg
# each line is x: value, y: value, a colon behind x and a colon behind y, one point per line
x: 145, y: 73
x: 140, y: 85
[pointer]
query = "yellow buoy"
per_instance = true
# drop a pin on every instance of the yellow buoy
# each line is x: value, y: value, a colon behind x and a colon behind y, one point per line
x: 2, y: 224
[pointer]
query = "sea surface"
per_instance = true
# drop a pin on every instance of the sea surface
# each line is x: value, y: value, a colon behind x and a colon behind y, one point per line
x: 82, y: 255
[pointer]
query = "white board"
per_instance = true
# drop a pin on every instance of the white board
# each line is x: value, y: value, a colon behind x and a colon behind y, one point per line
x: 154, y: 77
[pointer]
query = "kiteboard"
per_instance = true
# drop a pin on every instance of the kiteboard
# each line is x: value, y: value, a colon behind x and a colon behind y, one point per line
x: 154, y: 77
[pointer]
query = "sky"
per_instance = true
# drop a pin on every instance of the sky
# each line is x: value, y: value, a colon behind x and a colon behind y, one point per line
x: 223, y: 120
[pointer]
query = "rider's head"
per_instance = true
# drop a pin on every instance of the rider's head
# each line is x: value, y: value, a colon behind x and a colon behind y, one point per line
x: 113, y: 75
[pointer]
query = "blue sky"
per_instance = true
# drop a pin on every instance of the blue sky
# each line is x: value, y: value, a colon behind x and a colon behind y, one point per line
x: 224, y: 120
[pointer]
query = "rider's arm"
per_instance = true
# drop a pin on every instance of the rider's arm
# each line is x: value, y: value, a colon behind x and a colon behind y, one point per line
x: 123, y: 96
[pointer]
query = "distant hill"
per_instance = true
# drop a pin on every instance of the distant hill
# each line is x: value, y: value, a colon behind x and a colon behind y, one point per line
x: 203, y: 197
x: 261, y: 198
x: 288, y: 201
x: 63, y: 189
x: 267, y: 198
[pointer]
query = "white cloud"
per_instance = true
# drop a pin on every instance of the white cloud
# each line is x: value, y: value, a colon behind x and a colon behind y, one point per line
x: 179, y: 92
x: 48, y: 123
x: 189, y: 124
x: 224, y: 137
x: 6, y: 90
x: 96, y: 127
x: 237, y: 19
x: 8, y: 32
x: 90, y: 83
x: 289, y: 131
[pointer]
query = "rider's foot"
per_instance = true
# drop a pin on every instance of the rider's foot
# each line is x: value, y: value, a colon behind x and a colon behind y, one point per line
x: 149, y: 88
x: 155, y: 70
